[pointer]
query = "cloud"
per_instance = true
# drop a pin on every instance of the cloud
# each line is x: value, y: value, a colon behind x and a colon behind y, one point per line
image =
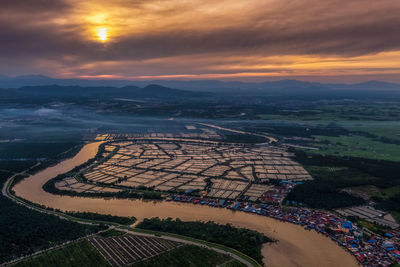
x: 26, y: 6
x: 64, y: 31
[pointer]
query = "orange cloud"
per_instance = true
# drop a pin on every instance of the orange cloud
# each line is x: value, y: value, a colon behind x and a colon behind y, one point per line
x: 201, y: 38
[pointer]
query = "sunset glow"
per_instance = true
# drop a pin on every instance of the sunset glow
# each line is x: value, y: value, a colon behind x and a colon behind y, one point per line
x: 254, y: 39
x: 102, y: 34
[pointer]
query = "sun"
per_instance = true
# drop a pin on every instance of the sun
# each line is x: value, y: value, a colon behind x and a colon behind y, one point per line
x: 102, y: 34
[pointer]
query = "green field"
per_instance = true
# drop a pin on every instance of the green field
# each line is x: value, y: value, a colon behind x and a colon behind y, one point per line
x: 192, y: 256
x: 81, y: 253
x: 388, y: 129
x: 374, y: 191
x: 378, y: 229
x: 356, y: 146
x: 371, y: 111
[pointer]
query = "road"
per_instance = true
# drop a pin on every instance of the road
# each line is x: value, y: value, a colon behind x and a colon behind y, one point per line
x: 6, y: 191
x: 189, y: 242
x: 271, y: 139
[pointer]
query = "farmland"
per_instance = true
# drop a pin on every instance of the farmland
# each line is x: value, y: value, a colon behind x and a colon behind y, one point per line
x: 122, y: 250
x: 219, y: 170
x: 356, y: 146
x: 190, y: 256
x: 128, y: 250
x: 81, y: 253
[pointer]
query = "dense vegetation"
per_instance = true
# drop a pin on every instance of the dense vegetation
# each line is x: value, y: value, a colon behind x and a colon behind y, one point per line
x: 390, y: 204
x: 33, y: 166
x: 247, y: 241
x: 103, y: 217
x: 11, y: 166
x: 24, y: 231
x: 333, y: 173
x: 111, y: 232
x: 189, y: 255
x: 324, y: 190
x: 376, y: 228
x: 33, y: 150
x: 72, y: 151
x: 81, y: 253
x: 381, y: 173
x: 319, y: 194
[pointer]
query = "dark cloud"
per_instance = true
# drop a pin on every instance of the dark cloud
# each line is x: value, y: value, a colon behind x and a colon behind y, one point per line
x: 30, y: 31
x: 22, y: 6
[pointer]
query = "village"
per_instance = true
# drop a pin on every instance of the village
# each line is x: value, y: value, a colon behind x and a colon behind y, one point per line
x: 244, y: 178
x: 369, y: 248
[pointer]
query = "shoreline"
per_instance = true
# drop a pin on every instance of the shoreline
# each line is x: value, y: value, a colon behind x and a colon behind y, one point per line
x: 295, y: 247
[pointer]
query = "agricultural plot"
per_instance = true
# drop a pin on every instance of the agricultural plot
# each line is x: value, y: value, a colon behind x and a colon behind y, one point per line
x: 71, y: 184
x: 171, y: 164
x: 203, y: 133
x: 255, y: 191
x: 80, y: 253
x: 370, y: 214
x: 227, y: 189
x: 190, y: 255
x: 127, y: 249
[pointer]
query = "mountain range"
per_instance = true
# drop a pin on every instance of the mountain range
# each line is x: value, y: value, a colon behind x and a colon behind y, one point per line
x: 194, y: 85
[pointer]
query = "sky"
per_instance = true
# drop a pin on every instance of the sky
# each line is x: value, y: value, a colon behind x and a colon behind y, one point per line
x: 249, y: 40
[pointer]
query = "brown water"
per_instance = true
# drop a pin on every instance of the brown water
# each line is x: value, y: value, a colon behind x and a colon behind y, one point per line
x: 296, y: 246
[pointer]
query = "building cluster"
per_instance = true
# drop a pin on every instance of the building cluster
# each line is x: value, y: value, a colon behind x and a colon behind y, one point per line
x: 369, y: 250
x: 253, y: 179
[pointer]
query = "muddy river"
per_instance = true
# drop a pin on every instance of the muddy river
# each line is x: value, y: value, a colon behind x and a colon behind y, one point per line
x: 296, y: 246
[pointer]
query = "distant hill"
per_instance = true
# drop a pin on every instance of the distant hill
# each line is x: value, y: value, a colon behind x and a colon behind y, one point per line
x: 153, y: 90
x: 150, y: 91
x: 369, y: 85
x: 193, y: 85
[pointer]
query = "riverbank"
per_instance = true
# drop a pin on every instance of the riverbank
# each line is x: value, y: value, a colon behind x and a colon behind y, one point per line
x: 296, y: 246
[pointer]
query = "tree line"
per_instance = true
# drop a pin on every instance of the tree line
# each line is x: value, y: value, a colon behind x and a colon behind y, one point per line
x: 246, y: 241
